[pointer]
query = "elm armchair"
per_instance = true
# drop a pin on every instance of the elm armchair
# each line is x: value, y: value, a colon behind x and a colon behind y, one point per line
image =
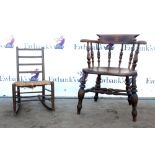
x: 102, y: 66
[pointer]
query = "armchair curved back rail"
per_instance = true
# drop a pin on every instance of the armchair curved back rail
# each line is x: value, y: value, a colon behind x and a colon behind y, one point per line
x: 96, y: 45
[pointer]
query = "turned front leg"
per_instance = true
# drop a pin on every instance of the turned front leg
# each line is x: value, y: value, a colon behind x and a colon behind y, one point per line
x: 97, y: 86
x: 81, y: 92
x: 134, y: 99
x: 128, y: 89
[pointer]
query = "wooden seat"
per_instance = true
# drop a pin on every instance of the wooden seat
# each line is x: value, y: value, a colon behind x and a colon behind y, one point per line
x: 109, y: 71
x: 31, y: 84
x: 102, y: 66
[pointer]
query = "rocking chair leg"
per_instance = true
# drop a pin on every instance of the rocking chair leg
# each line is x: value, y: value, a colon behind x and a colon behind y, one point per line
x: 44, y: 97
x: 16, y: 105
x: 52, y: 96
x: 43, y: 94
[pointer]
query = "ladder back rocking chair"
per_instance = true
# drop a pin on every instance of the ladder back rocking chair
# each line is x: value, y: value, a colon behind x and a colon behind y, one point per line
x: 95, y: 49
x: 31, y: 84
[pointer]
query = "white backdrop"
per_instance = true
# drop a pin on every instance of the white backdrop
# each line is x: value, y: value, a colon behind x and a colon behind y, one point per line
x: 34, y: 23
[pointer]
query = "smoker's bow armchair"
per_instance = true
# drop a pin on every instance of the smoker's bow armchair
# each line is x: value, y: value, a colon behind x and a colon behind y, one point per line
x: 96, y: 66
